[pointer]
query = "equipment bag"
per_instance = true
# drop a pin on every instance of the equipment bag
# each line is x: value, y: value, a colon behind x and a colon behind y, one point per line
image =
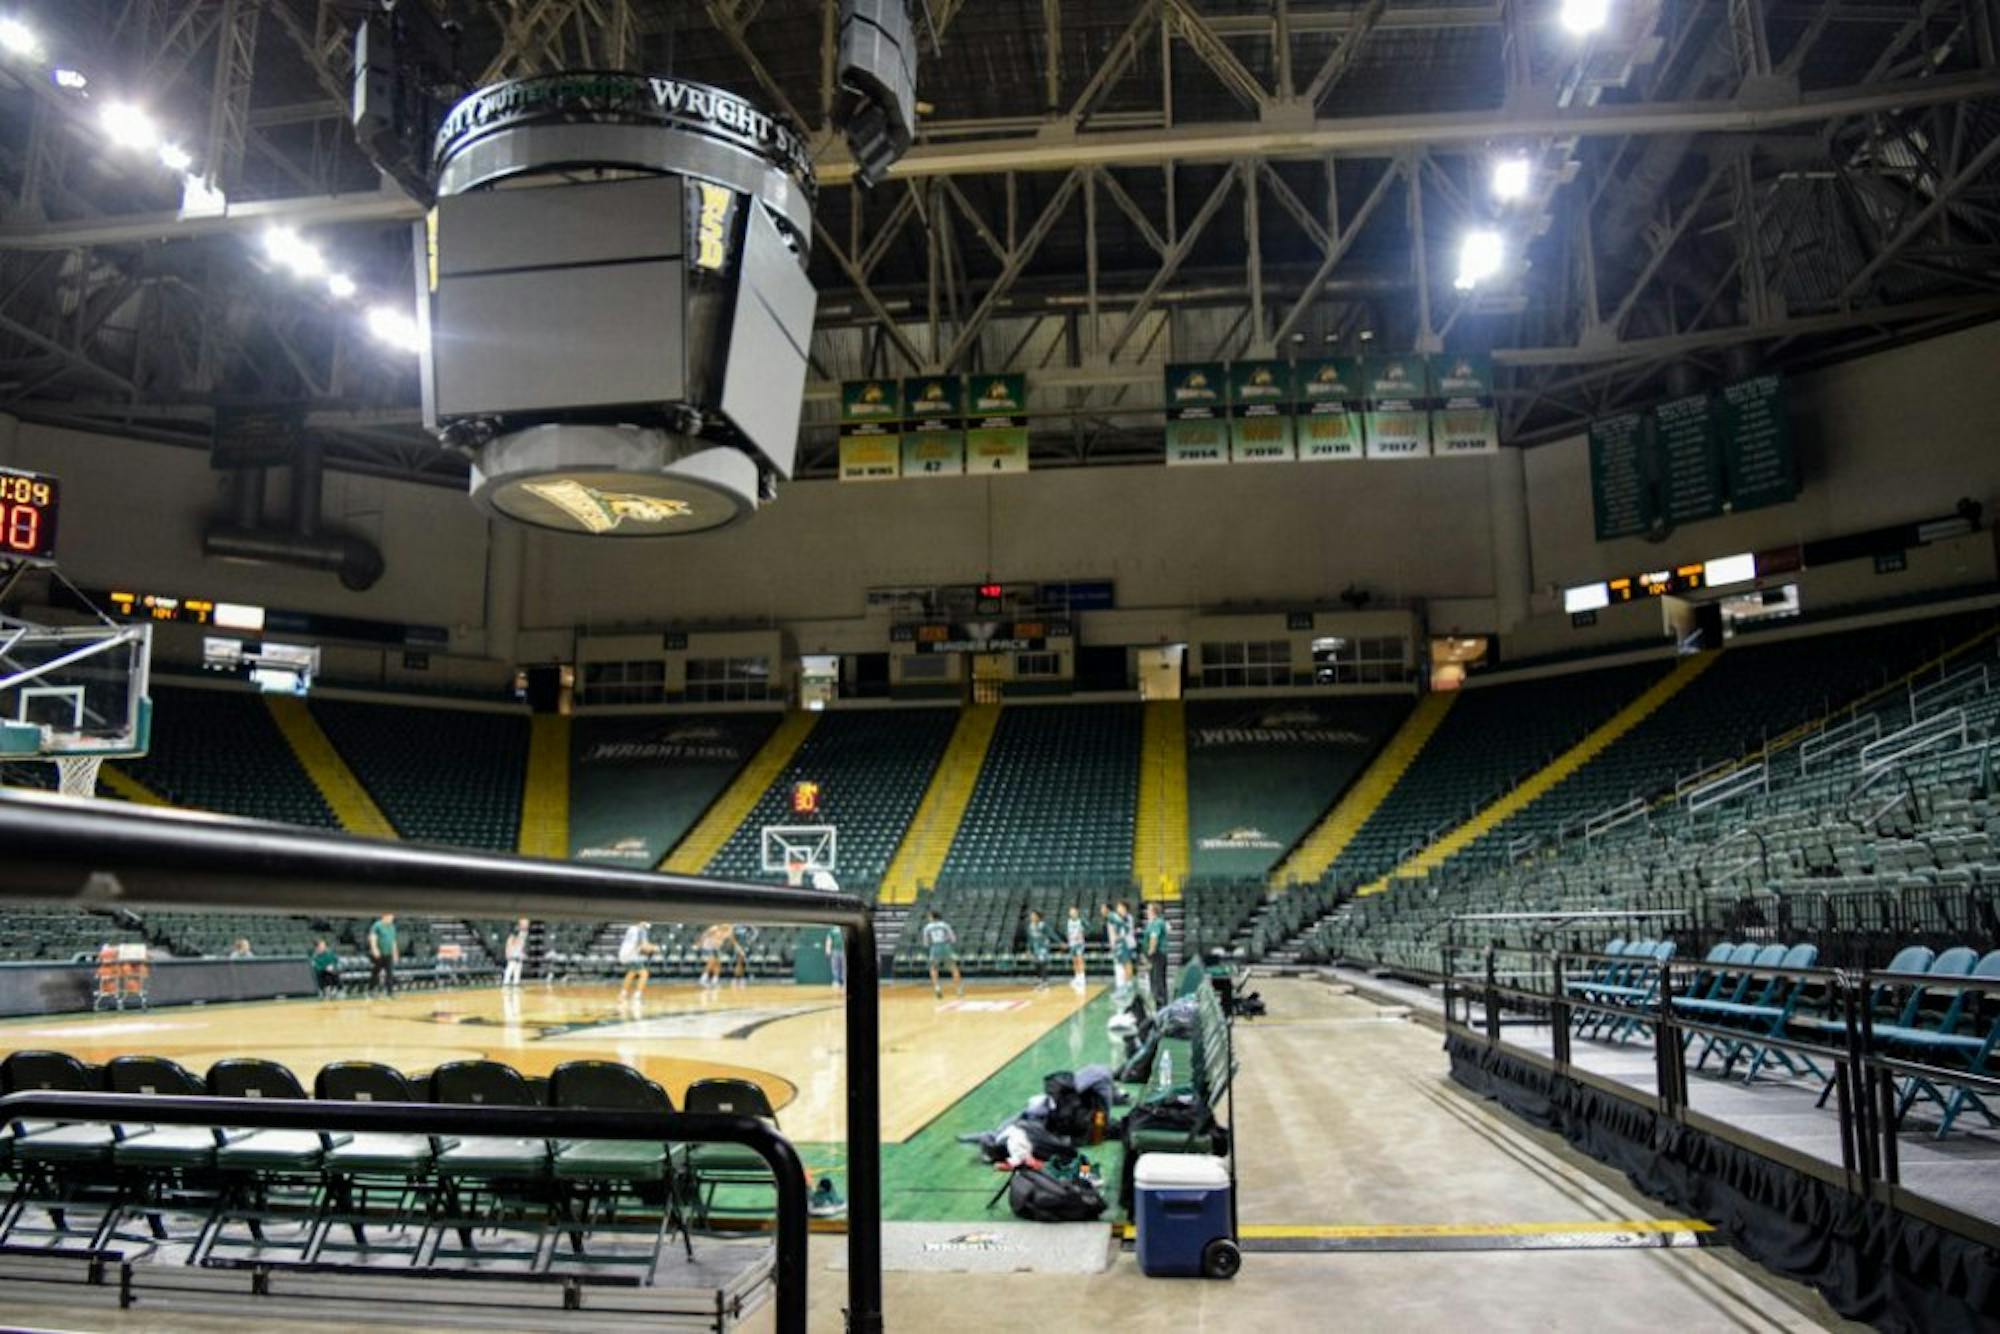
x: 1042, y: 1198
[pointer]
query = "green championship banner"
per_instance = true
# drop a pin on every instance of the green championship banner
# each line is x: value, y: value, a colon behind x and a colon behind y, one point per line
x: 1197, y: 432
x: 1620, y: 491
x: 996, y: 436
x: 1260, y: 412
x: 1398, y: 407
x: 934, y: 426
x: 638, y: 783
x: 1464, y: 419
x: 1689, y: 463
x: 1757, y: 444
x: 870, y: 449
x: 1328, y: 398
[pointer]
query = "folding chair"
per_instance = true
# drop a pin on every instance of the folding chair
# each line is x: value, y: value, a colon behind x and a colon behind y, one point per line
x: 396, y: 1168
x: 1638, y: 993
x: 1910, y: 962
x: 488, y: 1182
x: 268, y: 1176
x: 63, y: 1167
x: 1725, y: 1011
x: 601, y: 1175
x: 1943, y: 1040
x: 170, y: 1169
x: 1775, y: 1022
x: 711, y: 1166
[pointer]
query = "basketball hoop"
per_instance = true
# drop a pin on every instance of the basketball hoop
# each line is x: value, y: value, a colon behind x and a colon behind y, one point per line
x: 795, y: 873
x: 77, y: 774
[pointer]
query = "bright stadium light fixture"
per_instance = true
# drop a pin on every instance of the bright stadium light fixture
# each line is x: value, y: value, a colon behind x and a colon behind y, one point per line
x: 341, y: 286
x: 395, y: 328
x: 1580, y: 18
x: 18, y: 39
x: 127, y: 126
x: 1480, y: 256
x: 287, y: 248
x: 70, y: 79
x: 175, y: 158
x: 1511, y: 179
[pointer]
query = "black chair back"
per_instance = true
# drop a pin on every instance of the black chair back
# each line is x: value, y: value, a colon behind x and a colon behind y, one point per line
x: 485, y: 1082
x: 606, y: 1086
x: 153, y: 1074
x: 361, y: 1081
x: 242, y: 1077
x: 53, y: 1071
x: 730, y: 1097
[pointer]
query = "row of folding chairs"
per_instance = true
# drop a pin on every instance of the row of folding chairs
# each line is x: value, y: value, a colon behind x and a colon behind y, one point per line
x: 1629, y: 980
x: 332, y: 1198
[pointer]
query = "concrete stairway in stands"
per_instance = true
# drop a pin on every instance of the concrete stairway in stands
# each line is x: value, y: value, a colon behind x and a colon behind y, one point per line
x: 699, y: 845
x: 545, y: 793
x: 1160, y: 839
x: 920, y: 856
x: 1523, y: 794
x: 343, y: 792
x: 1329, y: 838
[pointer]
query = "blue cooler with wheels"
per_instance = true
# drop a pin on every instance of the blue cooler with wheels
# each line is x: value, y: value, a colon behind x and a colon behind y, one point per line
x: 1181, y: 1203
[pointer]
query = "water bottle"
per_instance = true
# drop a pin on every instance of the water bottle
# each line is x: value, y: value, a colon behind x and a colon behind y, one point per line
x: 1166, y: 1070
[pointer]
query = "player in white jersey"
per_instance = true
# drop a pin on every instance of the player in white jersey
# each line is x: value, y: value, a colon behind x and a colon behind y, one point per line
x: 635, y: 949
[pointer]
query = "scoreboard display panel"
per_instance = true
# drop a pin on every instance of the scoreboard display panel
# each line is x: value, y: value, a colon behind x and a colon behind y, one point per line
x: 29, y: 503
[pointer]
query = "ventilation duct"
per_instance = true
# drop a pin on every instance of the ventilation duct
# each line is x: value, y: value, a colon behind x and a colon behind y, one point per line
x: 357, y: 561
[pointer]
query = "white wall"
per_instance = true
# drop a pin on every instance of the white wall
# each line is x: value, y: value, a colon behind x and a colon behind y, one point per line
x: 133, y: 514
x: 1885, y: 439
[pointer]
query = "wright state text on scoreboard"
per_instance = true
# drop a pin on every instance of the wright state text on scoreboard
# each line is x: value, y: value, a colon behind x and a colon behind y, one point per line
x: 29, y: 502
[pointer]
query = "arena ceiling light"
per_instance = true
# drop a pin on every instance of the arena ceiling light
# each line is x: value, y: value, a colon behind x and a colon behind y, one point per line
x: 395, y: 328
x: 70, y: 80
x: 128, y: 126
x: 1511, y: 178
x: 340, y: 286
x: 1580, y: 18
x: 175, y: 158
x: 1481, y: 255
x: 19, y: 40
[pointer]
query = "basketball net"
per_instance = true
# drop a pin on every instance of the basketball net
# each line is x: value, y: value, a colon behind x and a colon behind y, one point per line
x: 77, y: 774
x: 795, y: 873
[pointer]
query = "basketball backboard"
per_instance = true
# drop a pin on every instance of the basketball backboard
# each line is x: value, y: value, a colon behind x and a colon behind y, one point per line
x: 74, y: 691
x: 806, y: 848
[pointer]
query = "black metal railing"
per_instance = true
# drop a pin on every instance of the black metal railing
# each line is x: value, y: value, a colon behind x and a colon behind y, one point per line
x: 1862, y: 1072
x: 100, y: 855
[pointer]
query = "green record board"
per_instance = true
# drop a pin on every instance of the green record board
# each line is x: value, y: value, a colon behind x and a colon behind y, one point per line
x: 1690, y: 459
x: 1328, y: 395
x: 1399, y: 419
x: 1757, y: 444
x: 1619, y: 488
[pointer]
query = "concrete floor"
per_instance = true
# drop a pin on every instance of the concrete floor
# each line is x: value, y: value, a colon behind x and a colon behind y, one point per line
x: 1343, y: 1117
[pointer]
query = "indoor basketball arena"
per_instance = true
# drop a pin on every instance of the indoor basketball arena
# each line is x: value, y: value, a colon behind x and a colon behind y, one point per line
x: 1005, y: 665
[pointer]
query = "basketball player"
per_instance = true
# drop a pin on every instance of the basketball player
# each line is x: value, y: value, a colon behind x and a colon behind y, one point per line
x: 1154, y: 947
x: 710, y: 945
x: 1074, y: 934
x: 516, y: 951
x: 383, y: 954
x: 942, y: 942
x: 736, y: 935
x: 634, y: 950
x: 1038, y: 948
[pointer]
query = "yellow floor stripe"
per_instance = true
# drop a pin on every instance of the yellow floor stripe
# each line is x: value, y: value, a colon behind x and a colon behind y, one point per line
x: 927, y: 841
x: 1365, y: 1231
x: 544, y: 828
x: 128, y: 787
x: 1160, y: 839
x: 1536, y: 785
x: 1321, y: 847
x: 345, y: 796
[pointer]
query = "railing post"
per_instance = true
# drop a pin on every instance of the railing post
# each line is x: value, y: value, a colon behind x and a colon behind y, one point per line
x: 1559, y: 1016
x: 1666, y: 1054
x: 1492, y: 998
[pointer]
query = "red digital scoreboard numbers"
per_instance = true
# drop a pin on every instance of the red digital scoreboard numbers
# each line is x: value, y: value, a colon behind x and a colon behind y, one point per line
x: 28, y: 505
x: 805, y: 799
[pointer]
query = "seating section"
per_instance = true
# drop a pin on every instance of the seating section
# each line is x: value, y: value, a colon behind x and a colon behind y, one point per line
x: 218, y: 750
x: 449, y: 776
x: 1493, y: 737
x: 1216, y: 908
x: 59, y: 934
x: 871, y: 767
x: 1056, y: 802
x: 1874, y: 831
x: 992, y: 924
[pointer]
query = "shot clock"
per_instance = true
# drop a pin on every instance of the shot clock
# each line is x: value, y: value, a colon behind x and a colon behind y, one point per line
x: 28, y: 505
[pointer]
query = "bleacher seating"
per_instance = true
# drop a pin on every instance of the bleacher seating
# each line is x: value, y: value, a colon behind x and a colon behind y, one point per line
x: 220, y: 751
x: 1056, y: 801
x: 59, y: 934
x: 449, y: 776
x: 872, y: 767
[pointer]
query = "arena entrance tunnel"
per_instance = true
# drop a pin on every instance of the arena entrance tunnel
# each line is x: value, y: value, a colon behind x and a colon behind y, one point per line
x: 93, y: 855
